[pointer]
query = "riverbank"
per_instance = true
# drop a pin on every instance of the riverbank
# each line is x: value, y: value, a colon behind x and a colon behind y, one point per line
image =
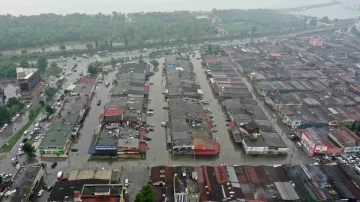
x: 161, y: 44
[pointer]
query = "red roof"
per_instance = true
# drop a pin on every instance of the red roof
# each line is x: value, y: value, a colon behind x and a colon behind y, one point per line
x: 87, y: 80
x: 228, y: 49
x: 114, y: 112
x: 142, y: 146
x: 275, y: 55
x: 211, y: 60
x: 201, y: 150
x: 101, y: 199
x: 146, y: 89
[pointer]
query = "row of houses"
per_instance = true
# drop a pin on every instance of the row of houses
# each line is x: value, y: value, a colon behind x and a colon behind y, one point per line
x: 189, y: 130
x: 248, y: 124
x: 64, y: 126
x: 123, y: 120
x: 255, y: 183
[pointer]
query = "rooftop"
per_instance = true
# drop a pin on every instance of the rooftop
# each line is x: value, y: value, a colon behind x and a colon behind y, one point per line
x: 345, y: 137
x: 63, y: 190
x: 25, y: 73
x: 71, y: 111
x: 24, y: 178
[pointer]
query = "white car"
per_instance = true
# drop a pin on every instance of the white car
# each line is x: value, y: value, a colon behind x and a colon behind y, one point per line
x: 5, y: 126
x: 21, y: 144
x: 1, y: 130
x: 13, y: 119
x: 17, y: 115
x: 40, y: 193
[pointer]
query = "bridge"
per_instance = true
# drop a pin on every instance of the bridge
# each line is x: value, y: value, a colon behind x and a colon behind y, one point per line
x: 304, y: 8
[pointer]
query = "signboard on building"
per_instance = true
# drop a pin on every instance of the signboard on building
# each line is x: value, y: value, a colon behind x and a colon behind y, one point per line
x: 105, y: 147
x: 351, y: 149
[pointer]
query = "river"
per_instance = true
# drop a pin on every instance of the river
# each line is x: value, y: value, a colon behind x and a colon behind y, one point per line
x: 33, y: 7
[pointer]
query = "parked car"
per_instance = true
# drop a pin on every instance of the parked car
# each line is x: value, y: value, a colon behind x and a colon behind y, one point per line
x: 74, y: 150
x: 293, y: 137
x: 299, y: 144
x: 53, y: 165
x: 98, y: 102
x: 40, y: 193
x: 59, y: 175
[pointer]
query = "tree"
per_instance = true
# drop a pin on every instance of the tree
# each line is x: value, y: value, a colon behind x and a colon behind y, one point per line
x: 89, y: 46
x: 253, y: 30
x: 42, y: 49
x: 23, y: 52
x: 96, y: 44
x: 28, y: 148
x: 41, y: 63
x: 146, y: 194
x: 63, y: 48
x: 4, y: 115
x: 50, y: 93
x: 12, y: 101
x: 115, y: 82
x: 113, y: 62
x: 141, y: 60
x: 31, y: 113
x: 8, y: 70
x: 53, y: 64
x: 111, y: 43
x: 42, y: 102
x: 155, y: 63
x: 49, y: 110
x: 126, y: 41
x: 24, y: 63
x: 92, y: 68
x: 325, y: 19
x: 313, y: 22
x: 62, y: 97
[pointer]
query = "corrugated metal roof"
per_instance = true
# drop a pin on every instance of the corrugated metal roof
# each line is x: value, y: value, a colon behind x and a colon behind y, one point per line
x: 286, y: 191
x: 232, y: 174
x: 344, y: 190
x: 353, y: 189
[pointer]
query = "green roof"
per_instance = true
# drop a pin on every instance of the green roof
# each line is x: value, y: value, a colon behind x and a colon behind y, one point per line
x: 57, y: 135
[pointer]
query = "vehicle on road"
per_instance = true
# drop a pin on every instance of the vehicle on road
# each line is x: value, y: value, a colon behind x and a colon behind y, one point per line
x: 205, y: 102
x: 59, y: 175
x: 53, y: 165
x: 151, y: 129
x: 98, y: 102
x: 149, y: 113
x: 40, y: 193
x: 107, y: 84
x: 28, y: 106
x: 298, y: 144
x: 126, y: 182
x: 146, y: 138
x: 74, y: 150
x: 293, y: 137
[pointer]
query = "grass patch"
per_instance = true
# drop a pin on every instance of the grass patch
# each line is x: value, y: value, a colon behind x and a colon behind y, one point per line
x: 13, y: 140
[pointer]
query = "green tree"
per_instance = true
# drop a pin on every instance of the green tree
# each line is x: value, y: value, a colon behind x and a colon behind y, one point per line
x: 28, y: 148
x: 146, y: 194
x: 41, y: 63
x: 24, y: 63
x: 89, y: 46
x: 50, y: 93
x: 49, y: 109
x: 7, y: 70
x: 42, y: 102
x: 13, y: 101
x: 4, y: 115
x: 141, y: 60
x: 155, y: 63
x: 62, y: 48
x: 113, y: 62
x: 31, y: 113
x: 325, y: 19
x: 42, y: 49
x: 23, y: 52
x: 115, y: 82
x: 313, y: 22
x: 111, y: 43
x: 93, y: 68
x: 62, y: 97
x: 96, y: 44
x: 53, y: 65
